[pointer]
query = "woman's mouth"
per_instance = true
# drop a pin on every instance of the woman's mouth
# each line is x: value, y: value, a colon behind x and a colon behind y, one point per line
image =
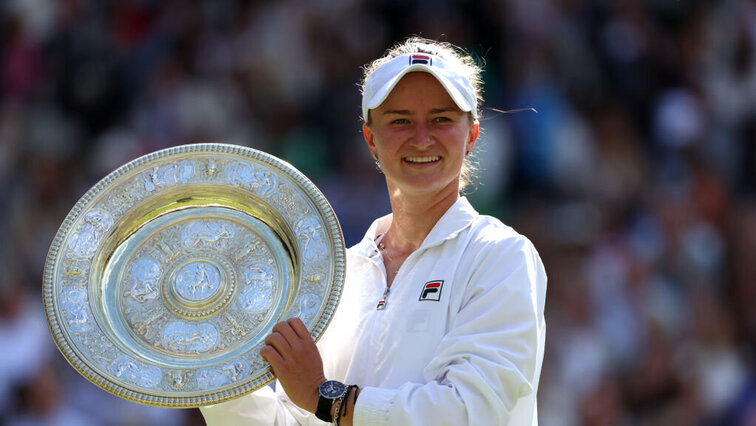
x: 422, y: 160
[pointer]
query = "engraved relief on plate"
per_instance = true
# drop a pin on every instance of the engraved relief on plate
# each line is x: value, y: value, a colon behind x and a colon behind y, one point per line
x: 135, y: 372
x: 179, y: 284
x: 95, y: 224
x: 217, y: 376
x: 197, y: 281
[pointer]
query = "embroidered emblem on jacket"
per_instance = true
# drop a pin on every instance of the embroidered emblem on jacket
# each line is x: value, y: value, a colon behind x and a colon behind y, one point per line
x: 432, y: 290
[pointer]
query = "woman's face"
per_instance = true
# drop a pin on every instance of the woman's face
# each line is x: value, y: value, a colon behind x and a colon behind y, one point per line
x: 420, y: 136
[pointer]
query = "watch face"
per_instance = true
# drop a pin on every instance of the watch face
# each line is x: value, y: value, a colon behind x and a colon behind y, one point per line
x: 332, y: 389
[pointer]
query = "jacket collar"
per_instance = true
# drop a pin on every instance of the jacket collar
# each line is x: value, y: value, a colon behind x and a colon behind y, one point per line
x: 458, y: 217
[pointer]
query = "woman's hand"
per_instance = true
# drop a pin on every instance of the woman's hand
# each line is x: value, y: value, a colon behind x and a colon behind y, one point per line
x: 295, y: 361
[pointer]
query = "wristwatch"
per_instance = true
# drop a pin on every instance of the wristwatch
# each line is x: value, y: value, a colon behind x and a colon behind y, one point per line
x: 329, y: 391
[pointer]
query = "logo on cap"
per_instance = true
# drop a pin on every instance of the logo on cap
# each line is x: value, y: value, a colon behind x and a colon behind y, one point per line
x: 432, y: 290
x: 421, y: 59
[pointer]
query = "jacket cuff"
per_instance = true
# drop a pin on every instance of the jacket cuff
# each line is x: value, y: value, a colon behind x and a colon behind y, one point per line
x: 255, y: 408
x: 372, y: 406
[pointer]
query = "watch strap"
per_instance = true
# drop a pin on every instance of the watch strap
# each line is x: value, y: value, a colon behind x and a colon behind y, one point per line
x: 324, y: 409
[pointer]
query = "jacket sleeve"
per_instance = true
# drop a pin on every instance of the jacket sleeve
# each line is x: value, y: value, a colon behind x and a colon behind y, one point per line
x: 490, y: 358
x: 262, y: 407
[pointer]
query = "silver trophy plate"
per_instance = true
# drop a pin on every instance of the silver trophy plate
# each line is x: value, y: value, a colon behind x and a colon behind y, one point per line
x: 166, y: 276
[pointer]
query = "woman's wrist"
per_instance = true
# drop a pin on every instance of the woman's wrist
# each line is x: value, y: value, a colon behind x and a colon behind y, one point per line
x: 345, y: 406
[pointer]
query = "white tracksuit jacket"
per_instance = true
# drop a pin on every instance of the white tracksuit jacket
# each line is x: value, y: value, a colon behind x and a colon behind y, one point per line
x: 460, y: 341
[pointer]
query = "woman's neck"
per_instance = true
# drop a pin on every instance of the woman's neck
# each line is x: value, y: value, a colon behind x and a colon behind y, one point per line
x: 414, y: 217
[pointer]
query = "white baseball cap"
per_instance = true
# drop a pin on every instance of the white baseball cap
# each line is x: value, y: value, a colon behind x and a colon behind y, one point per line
x: 449, y: 74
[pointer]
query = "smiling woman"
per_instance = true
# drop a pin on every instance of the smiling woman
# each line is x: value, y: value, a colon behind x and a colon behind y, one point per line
x: 441, y: 316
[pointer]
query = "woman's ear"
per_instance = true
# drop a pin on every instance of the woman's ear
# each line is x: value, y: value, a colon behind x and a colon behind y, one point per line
x: 368, y: 135
x: 473, y: 136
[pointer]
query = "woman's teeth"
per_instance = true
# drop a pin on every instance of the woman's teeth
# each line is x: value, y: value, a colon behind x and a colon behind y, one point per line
x: 422, y: 159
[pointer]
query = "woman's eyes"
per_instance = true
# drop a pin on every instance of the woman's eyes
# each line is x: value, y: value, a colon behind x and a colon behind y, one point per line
x: 435, y: 120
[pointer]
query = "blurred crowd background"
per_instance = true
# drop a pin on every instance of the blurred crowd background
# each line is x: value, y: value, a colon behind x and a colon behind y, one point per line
x: 636, y: 179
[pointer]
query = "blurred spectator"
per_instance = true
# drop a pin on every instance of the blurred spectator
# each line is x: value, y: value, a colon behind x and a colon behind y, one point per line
x: 24, y: 337
x: 39, y: 403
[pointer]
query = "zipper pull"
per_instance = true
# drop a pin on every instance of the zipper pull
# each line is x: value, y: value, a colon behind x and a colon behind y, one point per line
x: 382, y: 302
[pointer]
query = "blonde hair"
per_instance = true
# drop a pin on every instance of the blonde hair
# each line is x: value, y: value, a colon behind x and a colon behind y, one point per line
x: 450, y: 53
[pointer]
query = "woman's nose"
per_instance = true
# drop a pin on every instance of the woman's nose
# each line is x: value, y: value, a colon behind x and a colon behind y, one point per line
x: 422, y: 137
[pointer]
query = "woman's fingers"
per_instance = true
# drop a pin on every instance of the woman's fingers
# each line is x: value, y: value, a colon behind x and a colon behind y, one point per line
x: 271, y: 356
x: 285, y: 329
x: 298, y: 326
x: 291, y: 340
x: 279, y: 342
x: 295, y: 361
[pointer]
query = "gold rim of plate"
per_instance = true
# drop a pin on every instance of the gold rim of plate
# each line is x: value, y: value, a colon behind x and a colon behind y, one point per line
x: 165, y: 277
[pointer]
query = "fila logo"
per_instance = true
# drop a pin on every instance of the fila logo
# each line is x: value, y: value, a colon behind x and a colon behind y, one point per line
x: 420, y: 59
x: 432, y: 291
